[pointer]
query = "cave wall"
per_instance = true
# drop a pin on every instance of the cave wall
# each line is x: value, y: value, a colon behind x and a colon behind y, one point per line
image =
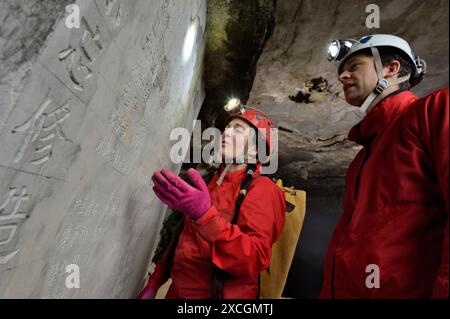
x: 85, y: 118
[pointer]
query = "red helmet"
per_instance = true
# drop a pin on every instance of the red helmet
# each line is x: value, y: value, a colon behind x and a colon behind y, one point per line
x: 255, y: 118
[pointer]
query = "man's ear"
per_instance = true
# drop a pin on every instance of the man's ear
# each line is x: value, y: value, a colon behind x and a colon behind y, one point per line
x: 392, y: 69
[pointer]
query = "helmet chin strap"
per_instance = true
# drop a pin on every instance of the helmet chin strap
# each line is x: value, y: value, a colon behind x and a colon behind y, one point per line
x: 224, y: 172
x: 382, y: 84
x: 227, y: 168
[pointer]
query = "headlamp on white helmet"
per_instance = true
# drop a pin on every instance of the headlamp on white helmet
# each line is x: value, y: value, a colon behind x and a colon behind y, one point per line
x: 341, y: 50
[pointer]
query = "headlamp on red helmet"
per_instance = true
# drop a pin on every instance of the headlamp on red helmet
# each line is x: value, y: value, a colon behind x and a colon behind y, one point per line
x: 234, y: 106
x: 254, y: 117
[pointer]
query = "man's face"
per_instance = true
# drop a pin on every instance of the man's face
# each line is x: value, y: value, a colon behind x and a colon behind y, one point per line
x: 235, y: 140
x: 359, y: 78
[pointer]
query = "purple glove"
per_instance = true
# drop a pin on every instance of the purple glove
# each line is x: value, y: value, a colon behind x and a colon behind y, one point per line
x: 147, y: 293
x: 192, y: 201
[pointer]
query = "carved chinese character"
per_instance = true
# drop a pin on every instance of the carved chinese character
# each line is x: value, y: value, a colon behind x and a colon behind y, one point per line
x: 80, y: 58
x: 10, y: 212
x: 14, y: 198
x: 41, y: 129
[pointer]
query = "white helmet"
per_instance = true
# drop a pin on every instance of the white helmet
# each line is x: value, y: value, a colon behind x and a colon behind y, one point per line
x: 341, y: 50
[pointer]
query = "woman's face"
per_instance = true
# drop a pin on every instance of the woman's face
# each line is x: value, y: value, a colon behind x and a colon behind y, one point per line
x: 238, y: 141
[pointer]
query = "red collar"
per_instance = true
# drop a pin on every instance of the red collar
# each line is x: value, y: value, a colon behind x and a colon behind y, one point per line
x: 381, y: 116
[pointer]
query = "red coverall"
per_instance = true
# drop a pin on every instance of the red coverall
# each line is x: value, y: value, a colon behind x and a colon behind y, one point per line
x: 396, y: 203
x: 243, y: 250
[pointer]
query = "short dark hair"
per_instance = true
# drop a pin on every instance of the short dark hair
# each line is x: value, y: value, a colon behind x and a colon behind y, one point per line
x: 389, y: 54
